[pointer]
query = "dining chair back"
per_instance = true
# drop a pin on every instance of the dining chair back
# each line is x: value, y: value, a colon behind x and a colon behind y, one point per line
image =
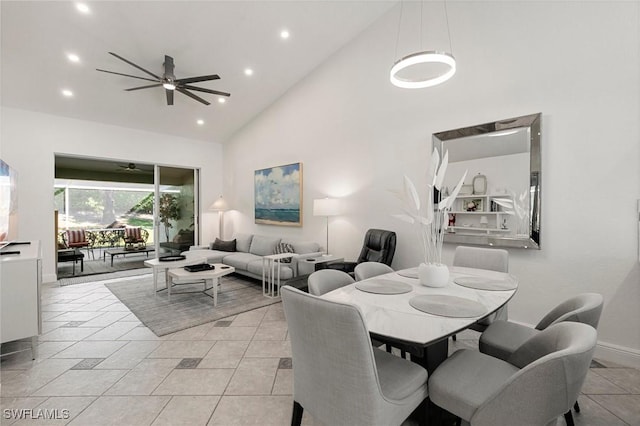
x: 484, y: 258
x: 502, y: 338
x: 366, y: 270
x: 326, y: 280
x: 539, y: 383
x: 585, y: 308
x: 338, y: 377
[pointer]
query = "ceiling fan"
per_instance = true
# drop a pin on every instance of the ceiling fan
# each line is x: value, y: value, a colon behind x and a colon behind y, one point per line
x: 169, y: 81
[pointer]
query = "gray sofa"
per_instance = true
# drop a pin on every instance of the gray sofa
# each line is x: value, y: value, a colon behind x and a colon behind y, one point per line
x: 250, y: 250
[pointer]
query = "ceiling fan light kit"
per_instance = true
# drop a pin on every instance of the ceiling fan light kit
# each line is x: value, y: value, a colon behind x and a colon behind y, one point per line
x: 169, y: 81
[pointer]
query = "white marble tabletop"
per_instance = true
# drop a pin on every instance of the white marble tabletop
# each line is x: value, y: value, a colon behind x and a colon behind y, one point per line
x: 391, y: 315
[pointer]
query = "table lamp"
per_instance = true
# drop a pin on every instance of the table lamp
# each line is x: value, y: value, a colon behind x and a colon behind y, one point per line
x: 326, y: 207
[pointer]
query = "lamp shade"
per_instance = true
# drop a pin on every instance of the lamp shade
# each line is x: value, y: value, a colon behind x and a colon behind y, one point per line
x: 219, y: 205
x: 326, y: 207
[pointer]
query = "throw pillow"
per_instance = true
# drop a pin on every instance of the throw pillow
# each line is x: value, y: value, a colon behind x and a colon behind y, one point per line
x: 221, y: 245
x: 284, y: 248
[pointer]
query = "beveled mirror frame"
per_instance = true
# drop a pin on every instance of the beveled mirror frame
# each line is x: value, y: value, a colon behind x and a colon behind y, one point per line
x: 532, y: 122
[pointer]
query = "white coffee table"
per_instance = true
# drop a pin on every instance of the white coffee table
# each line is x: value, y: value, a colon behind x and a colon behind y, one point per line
x: 212, y: 276
x: 160, y: 266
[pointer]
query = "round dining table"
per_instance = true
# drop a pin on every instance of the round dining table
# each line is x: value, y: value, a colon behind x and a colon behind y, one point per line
x: 399, y: 311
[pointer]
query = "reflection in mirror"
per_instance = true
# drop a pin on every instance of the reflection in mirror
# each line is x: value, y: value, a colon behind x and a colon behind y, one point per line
x: 499, y: 205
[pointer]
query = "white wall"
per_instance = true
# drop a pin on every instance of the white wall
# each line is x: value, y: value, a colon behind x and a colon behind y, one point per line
x: 31, y: 140
x: 357, y: 135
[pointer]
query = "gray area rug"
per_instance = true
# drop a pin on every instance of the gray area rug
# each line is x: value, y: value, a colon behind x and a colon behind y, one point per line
x: 185, y: 310
x: 141, y: 270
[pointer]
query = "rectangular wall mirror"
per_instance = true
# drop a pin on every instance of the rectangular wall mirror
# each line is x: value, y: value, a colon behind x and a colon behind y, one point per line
x: 499, y: 204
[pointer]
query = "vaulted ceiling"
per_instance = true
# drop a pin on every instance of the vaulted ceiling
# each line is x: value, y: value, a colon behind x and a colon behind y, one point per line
x: 203, y: 37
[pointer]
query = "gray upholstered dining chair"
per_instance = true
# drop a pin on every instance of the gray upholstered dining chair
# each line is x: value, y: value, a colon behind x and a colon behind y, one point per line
x: 503, y: 338
x: 326, y: 280
x: 483, y: 258
x: 538, y: 384
x: 338, y: 377
x: 366, y: 270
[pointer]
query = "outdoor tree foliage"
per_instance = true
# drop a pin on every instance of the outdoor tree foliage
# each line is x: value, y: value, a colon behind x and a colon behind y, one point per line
x: 169, y: 210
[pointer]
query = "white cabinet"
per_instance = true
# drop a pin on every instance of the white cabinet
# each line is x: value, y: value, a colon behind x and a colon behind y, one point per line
x: 21, y: 276
x: 480, y: 214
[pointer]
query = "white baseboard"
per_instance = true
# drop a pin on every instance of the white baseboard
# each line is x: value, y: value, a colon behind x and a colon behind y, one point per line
x: 618, y: 354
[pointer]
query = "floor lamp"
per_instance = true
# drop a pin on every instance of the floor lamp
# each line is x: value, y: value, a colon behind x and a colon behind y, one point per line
x: 326, y: 207
x: 220, y: 206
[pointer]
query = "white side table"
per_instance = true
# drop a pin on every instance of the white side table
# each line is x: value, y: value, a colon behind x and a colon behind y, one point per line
x: 271, y: 273
x: 308, y: 266
x: 212, y: 277
x: 159, y: 266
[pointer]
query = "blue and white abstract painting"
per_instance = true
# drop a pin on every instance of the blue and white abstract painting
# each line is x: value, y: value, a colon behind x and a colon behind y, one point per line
x: 278, y: 195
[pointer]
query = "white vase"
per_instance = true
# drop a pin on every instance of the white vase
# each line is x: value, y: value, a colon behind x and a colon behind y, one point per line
x: 433, y: 275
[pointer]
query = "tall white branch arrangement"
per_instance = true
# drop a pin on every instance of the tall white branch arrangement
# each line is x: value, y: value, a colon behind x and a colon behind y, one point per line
x: 432, y: 220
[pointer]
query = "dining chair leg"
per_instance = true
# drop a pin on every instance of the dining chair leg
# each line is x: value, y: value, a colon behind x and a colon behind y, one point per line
x: 576, y: 406
x: 454, y: 338
x: 387, y: 347
x: 568, y: 417
x: 296, y: 416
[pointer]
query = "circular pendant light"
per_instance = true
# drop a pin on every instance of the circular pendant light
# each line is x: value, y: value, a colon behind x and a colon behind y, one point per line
x: 422, y: 58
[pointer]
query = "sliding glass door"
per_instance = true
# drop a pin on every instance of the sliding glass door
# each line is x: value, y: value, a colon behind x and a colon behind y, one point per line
x: 176, y: 207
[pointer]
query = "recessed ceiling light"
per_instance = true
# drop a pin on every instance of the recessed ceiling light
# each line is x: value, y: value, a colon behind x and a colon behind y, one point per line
x: 73, y: 57
x: 200, y: 122
x: 67, y: 93
x: 248, y: 71
x: 82, y: 7
x: 284, y: 34
x: 222, y: 100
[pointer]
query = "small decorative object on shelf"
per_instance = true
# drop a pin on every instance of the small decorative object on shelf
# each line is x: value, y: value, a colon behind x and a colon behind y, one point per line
x: 479, y: 184
x: 433, y: 224
x: 473, y: 205
x: 484, y: 222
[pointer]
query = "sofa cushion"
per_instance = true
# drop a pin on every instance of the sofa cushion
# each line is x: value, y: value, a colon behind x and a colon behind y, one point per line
x: 263, y: 246
x: 243, y: 242
x: 255, y: 267
x: 211, y: 256
x: 302, y: 247
x: 240, y: 260
x: 221, y: 245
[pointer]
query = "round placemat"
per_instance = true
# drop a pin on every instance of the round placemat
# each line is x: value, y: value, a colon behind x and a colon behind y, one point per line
x: 409, y: 273
x: 484, y: 283
x: 380, y: 286
x: 448, y: 306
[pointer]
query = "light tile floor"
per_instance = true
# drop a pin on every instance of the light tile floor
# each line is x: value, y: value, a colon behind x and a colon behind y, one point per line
x: 98, y: 365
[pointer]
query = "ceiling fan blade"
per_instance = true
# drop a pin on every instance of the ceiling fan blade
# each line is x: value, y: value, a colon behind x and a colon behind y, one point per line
x: 126, y: 75
x: 144, y: 87
x: 169, y: 96
x: 134, y: 65
x: 168, y: 67
x: 191, y: 95
x: 197, y: 79
x: 201, y: 89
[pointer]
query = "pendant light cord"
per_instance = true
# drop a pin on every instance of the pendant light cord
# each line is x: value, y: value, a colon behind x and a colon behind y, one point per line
x: 399, y: 24
x: 446, y: 17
